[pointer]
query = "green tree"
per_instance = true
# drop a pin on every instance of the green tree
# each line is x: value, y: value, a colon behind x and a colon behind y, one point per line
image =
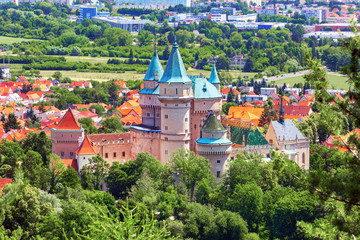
x: 247, y: 199
x: 111, y: 125
x: 226, y: 107
x: 57, y: 76
x: 98, y: 168
x: 38, y: 142
x: 192, y: 169
x: 57, y: 167
x: 99, y: 109
x: 33, y: 168
x: 11, y: 123
x: 87, y: 124
x: 145, y: 38
x: 70, y: 178
x: 230, y: 96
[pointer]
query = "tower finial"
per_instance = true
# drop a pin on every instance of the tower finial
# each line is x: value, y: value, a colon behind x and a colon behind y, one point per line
x: 281, y: 112
x: 155, y: 43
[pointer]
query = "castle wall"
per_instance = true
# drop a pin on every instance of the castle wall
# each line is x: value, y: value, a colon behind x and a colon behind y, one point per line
x: 218, y: 156
x: 65, y: 142
x: 145, y: 141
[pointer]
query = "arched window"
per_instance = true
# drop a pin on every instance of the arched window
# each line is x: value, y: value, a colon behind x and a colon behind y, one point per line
x: 303, y: 158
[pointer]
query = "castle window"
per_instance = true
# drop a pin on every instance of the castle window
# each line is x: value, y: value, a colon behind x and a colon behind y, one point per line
x: 166, y: 116
x: 101, y: 187
x: 166, y: 128
x: 164, y: 90
x: 157, y: 115
x: 217, y: 174
x: 186, y: 119
x: 71, y: 154
x: 186, y: 142
x: 62, y: 154
x: 218, y: 161
x: 123, y: 154
x: 114, y: 154
x: 166, y: 152
x: 106, y: 155
x: 186, y: 130
x: 176, y: 91
x: 166, y: 139
x: 303, y: 158
x: 148, y: 114
x: 176, y: 105
x: 149, y: 98
x: 232, y: 158
x: 271, y: 141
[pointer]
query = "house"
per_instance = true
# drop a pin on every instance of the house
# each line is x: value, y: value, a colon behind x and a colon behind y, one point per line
x: 292, y: 90
x: 14, y: 97
x: 252, y: 98
x: 122, y: 85
x: 294, y: 97
x: 245, y: 89
x: 309, y: 91
x: 5, y: 71
x: 225, y: 91
x: 288, y: 139
x: 267, y: 91
x: 290, y: 110
x: 21, y: 79
x: 89, y: 114
x: 274, y: 96
x: 307, y: 97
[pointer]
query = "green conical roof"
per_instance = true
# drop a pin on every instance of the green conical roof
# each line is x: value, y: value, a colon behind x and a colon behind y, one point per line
x: 175, y: 71
x: 154, y: 66
x: 213, y: 124
x: 214, y: 78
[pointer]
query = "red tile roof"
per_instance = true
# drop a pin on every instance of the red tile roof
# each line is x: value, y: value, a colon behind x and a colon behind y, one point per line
x: 69, y: 122
x: 295, y: 110
x: 227, y: 90
x: 70, y: 162
x: 88, y: 114
x: 4, y: 181
x: 86, y: 148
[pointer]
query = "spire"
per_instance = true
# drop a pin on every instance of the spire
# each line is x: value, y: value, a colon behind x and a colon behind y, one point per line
x: 154, y: 66
x: 212, y: 123
x: 214, y: 78
x: 175, y: 71
x: 68, y: 122
x: 281, y: 112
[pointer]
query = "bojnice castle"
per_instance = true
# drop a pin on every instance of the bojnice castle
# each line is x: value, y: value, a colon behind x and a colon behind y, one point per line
x: 178, y: 111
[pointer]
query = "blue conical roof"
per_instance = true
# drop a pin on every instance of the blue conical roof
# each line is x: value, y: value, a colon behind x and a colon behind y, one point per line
x: 154, y: 66
x: 214, y: 78
x: 175, y: 70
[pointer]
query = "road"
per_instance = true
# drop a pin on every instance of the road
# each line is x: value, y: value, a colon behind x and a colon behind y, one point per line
x: 288, y: 75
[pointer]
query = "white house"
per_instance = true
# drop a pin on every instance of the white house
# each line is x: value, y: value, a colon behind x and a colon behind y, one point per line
x: 267, y: 91
x: 292, y: 90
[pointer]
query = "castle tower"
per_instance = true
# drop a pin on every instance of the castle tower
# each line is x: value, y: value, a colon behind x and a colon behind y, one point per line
x: 66, y: 135
x: 175, y: 95
x: 84, y: 153
x: 214, y: 78
x: 214, y: 145
x: 149, y: 94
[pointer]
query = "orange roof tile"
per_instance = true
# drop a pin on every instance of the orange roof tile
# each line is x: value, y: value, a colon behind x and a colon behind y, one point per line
x: 4, y: 181
x: 70, y: 162
x: 86, y: 148
x: 69, y: 122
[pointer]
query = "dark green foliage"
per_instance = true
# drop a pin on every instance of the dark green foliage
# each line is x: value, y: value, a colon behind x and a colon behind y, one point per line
x: 70, y: 178
x: 11, y: 123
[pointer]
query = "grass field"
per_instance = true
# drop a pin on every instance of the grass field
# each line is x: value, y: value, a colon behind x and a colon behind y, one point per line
x: 336, y: 82
x: 11, y: 40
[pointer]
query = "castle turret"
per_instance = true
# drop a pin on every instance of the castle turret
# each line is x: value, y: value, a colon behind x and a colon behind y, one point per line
x: 84, y: 153
x: 175, y: 95
x: 214, y: 78
x: 65, y: 136
x: 148, y: 95
x: 213, y: 144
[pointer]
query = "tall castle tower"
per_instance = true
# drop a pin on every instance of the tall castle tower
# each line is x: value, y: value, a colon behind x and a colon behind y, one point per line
x: 151, y: 116
x: 214, y: 145
x: 214, y: 78
x: 175, y: 96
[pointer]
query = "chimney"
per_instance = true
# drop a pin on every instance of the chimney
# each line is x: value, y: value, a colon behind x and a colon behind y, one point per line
x: 80, y: 141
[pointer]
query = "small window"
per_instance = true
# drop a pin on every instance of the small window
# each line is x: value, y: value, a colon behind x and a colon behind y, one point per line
x: 186, y: 130
x: 176, y: 105
x: 166, y: 116
x: 114, y: 154
x: 123, y: 154
x: 186, y: 119
x: 106, y: 155
x: 218, y: 174
x: 62, y: 154
x: 149, y: 98
x: 186, y: 142
x: 232, y: 158
x: 303, y: 158
x: 101, y: 187
x: 166, y: 152
x: 166, y: 139
x: 148, y: 114
x: 71, y: 154
x: 176, y: 90
x: 218, y: 161
x: 164, y: 90
x: 157, y: 115
x: 166, y: 128
x: 84, y: 158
